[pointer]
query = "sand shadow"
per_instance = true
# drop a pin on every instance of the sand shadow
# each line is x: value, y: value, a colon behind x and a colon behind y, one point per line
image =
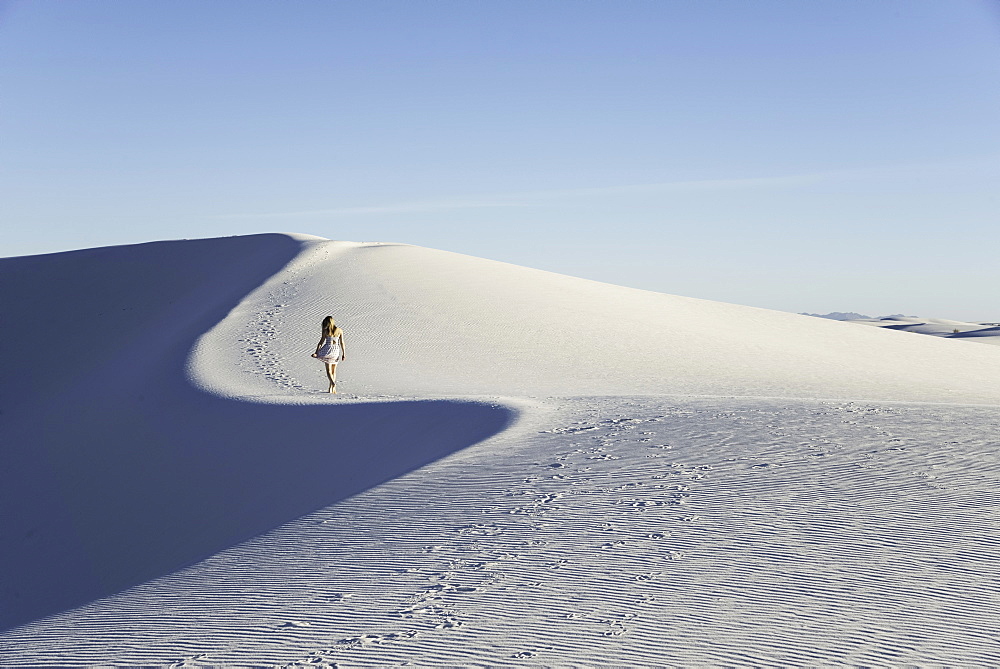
x: 116, y: 470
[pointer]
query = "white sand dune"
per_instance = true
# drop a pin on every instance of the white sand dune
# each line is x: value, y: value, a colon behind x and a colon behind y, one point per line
x: 985, y: 335
x: 527, y: 469
x: 432, y: 322
x: 939, y: 327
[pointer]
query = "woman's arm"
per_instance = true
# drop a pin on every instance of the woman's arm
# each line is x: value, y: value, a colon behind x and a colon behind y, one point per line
x: 343, y: 351
x: 318, y: 347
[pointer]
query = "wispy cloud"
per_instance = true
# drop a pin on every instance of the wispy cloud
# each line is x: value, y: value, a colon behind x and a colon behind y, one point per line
x: 524, y: 198
x: 535, y: 198
x: 398, y: 208
x: 700, y: 184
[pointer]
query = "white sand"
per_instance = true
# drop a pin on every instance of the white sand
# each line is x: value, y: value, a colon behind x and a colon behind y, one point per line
x: 430, y: 322
x: 978, y: 333
x: 668, y: 480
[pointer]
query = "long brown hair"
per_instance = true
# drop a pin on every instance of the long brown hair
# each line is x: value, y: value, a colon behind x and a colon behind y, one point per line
x: 330, y: 328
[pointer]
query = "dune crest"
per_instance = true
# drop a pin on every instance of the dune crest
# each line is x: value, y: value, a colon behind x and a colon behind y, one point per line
x: 422, y: 322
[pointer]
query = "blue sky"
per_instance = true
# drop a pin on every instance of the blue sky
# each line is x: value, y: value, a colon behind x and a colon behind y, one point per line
x: 802, y: 156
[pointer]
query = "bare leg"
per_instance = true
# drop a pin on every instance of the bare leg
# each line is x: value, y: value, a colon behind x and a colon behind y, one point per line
x: 331, y: 375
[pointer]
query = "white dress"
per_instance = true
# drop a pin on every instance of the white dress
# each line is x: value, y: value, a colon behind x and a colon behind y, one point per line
x: 329, y: 352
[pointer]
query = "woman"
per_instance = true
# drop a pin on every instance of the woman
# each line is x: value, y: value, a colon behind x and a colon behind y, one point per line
x: 330, y: 350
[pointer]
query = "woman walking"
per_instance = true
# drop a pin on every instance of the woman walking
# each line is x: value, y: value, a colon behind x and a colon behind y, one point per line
x: 330, y: 350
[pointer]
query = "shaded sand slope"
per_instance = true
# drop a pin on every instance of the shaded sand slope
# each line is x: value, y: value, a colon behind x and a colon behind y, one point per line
x: 421, y: 321
x: 115, y: 469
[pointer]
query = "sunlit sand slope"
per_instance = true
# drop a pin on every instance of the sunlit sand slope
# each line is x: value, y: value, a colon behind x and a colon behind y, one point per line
x: 421, y: 321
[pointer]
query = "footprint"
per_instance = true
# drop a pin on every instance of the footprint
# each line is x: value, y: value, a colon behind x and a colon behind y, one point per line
x: 616, y: 629
x: 643, y: 504
x: 362, y: 640
x: 339, y: 597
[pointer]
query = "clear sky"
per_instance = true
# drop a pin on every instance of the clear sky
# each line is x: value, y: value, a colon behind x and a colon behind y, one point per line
x: 798, y: 155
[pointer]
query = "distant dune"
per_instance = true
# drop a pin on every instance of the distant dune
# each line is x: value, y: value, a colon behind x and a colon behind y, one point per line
x: 839, y: 315
x: 982, y: 333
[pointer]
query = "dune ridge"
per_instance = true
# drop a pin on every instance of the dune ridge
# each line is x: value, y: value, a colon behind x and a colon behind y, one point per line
x: 433, y: 323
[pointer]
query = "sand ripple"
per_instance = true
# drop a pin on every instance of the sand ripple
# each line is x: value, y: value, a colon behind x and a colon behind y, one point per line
x: 624, y: 531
